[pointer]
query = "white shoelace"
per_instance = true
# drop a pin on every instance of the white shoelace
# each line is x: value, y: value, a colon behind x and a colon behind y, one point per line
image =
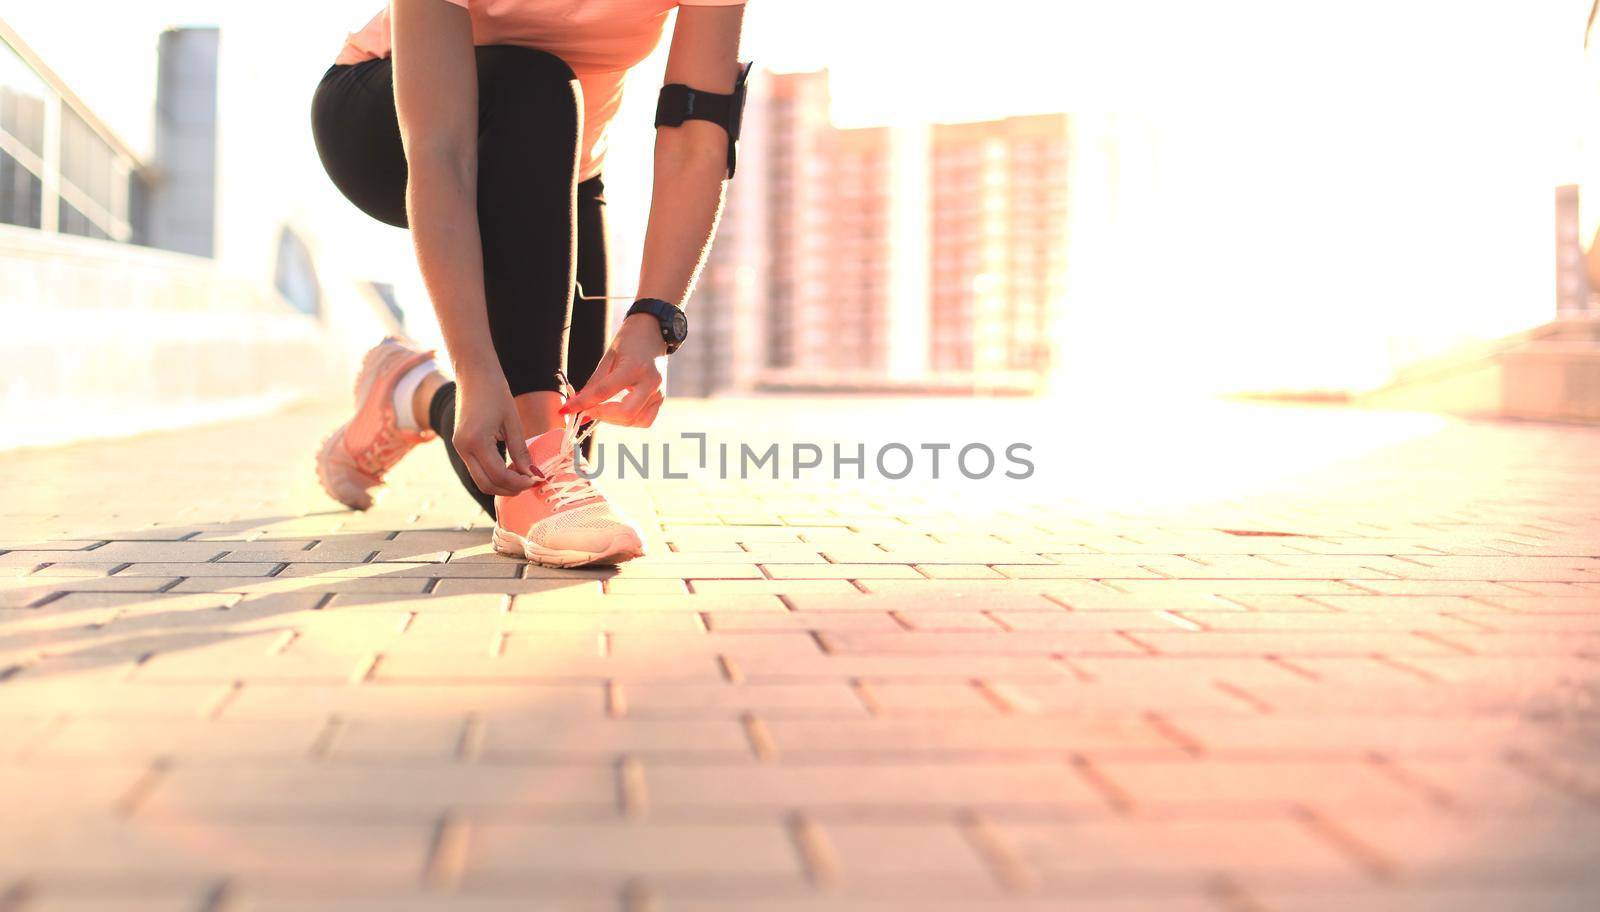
x: 566, y: 462
x: 567, y: 459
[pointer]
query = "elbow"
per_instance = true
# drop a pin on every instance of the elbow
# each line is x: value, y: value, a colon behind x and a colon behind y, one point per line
x: 682, y: 150
x: 442, y: 165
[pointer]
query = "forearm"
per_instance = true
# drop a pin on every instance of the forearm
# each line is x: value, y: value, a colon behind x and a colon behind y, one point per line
x: 685, y: 202
x: 442, y: 210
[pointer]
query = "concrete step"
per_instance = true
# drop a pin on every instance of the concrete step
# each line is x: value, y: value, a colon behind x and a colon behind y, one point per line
x: 1550, y: 372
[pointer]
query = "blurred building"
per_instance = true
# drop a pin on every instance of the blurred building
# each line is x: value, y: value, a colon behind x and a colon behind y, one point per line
x: 927, y: 257
x: 62, y: 170
x: 102, y: 333
x: 998, y: 258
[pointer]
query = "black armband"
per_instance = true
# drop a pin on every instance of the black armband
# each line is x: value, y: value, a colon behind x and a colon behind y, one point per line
x: 679, y: 103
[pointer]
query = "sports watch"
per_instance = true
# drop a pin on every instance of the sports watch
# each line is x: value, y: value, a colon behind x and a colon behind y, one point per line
x: 674, y: 325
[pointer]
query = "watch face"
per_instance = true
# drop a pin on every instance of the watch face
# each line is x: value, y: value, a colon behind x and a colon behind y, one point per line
x: 680, y: 327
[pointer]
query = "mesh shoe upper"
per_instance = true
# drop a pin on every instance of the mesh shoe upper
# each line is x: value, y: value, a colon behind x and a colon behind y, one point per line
x: 356, y: 457
x: 563, y: 510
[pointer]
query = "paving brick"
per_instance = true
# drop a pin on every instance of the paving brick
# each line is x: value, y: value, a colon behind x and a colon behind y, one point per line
x: 51, y: 696
x: 1481, y: 897
x: 929, y: 855
x: 900, y: 698
x: 398, y: 791
x: 756, y: 621
x: 397, y: 585
x: 284, y: 854
x: 564, y: 586
x: 943, y: 621
x: 1492, y: 787
x: 657, y: 700
x: 200, y: 739
x: 773, y: 587
x: 520, y: 738
x: 506, y: 853
x: 760, y: 667
x: 26, y: 592
x: 674, y: 586
x: 1354, y: 736
x: 906, y: 738
x: 1293, y: 643
x: 539, y: 665
x: 665, y: 570
x: 157, y: 551
x: 934, y: 599
x: 41, y: 795
x: 1088, y: 854
x: 1178, y: 589
x: 295, y: 570
x: 1496, y: 643
x: 1430, y: 587
x: 452, y: 701
x: 832, y: 790
x: 78, y: 569
x: 634, y: 603
x: 940, y: 897
x: 246, y: 657
x: 1409, y: 604
x: 1531, y: 848
x: 840, y: 571
x: 1281, y: 567
x: 1202, y: 788
x: 1082, y: 642
x: 1533, y: 569
x: 1074, y: 566
x: 428, y: 624
x: 300, y: 552
x: 160, y: 900
x: 555, y: 896
x: 1136, y: 694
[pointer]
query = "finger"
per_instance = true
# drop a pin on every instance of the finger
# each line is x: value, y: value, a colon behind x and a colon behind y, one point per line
x: 602, y: 369
x: 508, y: 482
x: 638, y: 398
x: 610, y: 413
x: 473, y: 469
x: 648, y: 416
x: 632, y: 406
x: 492, y: 475
x: 598, y: 390
x: 517, y: 446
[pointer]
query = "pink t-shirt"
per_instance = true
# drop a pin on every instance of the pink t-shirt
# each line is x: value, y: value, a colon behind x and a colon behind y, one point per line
x: 600, y: 39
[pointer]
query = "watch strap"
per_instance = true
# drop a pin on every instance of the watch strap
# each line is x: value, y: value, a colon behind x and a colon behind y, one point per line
x: 664, y: 312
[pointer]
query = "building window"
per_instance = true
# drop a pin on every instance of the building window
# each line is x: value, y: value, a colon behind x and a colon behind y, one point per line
x: 57, y: 170
x: 22, y: 103
x: 21, y: 194
x: 71, y: 221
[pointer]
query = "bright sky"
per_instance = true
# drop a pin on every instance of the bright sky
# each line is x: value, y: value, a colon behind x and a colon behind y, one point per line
x: 1362, y: 176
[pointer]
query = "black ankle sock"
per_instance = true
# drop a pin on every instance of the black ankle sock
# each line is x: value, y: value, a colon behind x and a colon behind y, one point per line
x: 443, y: 402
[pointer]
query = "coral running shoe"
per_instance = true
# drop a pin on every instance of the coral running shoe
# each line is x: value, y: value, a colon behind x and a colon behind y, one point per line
x: 562, y: 521
x: 354, y: 458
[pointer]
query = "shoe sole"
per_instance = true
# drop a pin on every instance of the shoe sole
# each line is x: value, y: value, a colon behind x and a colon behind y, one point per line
x: 324, y: 458
x: 624, y: 546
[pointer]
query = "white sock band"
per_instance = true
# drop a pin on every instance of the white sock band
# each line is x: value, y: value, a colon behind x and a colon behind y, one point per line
x: 406, y: 390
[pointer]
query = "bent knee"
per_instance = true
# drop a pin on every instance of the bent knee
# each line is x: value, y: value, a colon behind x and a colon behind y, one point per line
x: 508, y: 71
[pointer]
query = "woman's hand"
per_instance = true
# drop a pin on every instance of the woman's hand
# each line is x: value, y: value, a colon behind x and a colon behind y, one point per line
x: 629, y: 364
x: 486, y: 415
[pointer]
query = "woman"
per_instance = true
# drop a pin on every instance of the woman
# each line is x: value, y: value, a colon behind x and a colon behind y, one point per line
x: 481, y: 125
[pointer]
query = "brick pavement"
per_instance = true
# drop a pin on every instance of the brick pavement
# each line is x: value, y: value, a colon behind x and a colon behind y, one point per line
x: 1245, y: 658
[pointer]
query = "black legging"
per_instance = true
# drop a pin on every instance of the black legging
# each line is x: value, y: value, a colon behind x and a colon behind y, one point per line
x: 541, y: 228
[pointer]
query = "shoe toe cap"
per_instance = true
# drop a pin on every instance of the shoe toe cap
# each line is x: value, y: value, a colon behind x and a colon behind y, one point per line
x: 615, y: 540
